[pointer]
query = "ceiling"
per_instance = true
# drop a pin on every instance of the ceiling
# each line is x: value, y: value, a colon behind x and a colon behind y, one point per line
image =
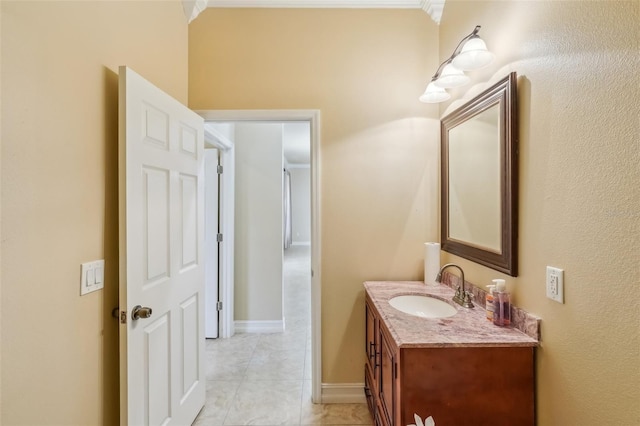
x: 432, y: 7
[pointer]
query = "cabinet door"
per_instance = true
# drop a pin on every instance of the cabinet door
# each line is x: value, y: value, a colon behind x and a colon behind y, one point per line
x: 377, y: 421
x: 372, y: 331
x: 387, y: 379
x: 372, y: 343
x: 368, y: 390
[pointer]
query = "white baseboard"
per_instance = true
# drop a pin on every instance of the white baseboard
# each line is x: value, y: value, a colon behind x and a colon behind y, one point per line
x: 343, y: 393
x: 259, y: 326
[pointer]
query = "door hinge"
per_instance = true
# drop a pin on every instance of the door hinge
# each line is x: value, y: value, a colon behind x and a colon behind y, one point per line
x: 219, y: 169
x: 123, y: 317
x: 219, y: 306
x: 395, y: 370
x: 219, y: 238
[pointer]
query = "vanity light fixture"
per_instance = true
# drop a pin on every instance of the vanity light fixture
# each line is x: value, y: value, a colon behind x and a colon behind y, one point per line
x: 470, y: 54
x: 434, y: 94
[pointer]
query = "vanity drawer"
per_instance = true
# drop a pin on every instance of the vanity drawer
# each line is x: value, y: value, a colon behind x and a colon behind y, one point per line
x: 369, y: 390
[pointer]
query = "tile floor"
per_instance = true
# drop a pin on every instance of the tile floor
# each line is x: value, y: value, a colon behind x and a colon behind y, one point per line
x: 265, y: 379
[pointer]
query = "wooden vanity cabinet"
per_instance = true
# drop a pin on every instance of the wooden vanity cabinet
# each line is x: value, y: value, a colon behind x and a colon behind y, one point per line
x: 372, y: 324
x: 372, y: 366
x: 457, y: 385
x: 380, y: 370
x: 388, y: 371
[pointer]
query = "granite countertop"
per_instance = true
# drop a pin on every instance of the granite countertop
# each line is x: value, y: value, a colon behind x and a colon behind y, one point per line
x: 467, y: 328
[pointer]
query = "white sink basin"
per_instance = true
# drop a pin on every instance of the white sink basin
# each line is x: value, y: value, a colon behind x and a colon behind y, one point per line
x: 423, y: 306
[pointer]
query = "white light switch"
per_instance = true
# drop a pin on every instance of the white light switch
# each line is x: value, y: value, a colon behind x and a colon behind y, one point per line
x: 100, y: 273
x: 91, y: 276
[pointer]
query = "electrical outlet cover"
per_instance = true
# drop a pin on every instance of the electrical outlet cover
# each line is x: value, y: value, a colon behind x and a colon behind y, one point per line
x: 555, y: 284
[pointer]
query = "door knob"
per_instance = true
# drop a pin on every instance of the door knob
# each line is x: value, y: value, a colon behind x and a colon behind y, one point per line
x: 140, y: 312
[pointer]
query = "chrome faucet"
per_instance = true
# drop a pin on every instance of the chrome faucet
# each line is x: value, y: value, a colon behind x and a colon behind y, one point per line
x: 462, y: 297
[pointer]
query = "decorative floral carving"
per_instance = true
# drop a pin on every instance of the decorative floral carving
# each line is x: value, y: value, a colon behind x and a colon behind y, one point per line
x: 427, y: 422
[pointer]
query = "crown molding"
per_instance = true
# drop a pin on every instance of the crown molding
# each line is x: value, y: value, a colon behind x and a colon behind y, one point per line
x: 432, y: 7
x: 348, y: 4
x: 192, y: 8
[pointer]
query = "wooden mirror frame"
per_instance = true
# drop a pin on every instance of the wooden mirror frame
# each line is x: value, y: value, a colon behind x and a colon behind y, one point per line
x: 502, y: 94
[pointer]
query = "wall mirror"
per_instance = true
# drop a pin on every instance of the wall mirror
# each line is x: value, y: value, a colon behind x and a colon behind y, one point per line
x: 479, y: 178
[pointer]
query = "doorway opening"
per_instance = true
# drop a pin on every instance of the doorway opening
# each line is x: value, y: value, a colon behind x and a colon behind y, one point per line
x: 292, y: 170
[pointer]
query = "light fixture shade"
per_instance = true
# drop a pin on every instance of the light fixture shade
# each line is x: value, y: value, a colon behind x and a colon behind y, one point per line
x: 451, y: 77
x: 434, y: 94
x: 474, y: 55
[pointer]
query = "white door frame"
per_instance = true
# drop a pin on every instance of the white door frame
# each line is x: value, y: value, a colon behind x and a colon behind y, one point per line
x: 227, y: 223
x: 211, y: 244
x: 313, y: 117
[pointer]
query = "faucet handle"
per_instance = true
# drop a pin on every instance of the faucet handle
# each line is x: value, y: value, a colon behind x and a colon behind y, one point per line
x: 458, y: 297
x: 467, y: 299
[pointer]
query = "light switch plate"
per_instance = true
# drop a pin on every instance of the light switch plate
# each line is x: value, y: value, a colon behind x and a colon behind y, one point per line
x: 91, y: 276
x: 555, y: 284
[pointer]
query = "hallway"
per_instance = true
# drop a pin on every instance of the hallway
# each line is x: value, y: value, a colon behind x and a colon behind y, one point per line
x: 265, y: 379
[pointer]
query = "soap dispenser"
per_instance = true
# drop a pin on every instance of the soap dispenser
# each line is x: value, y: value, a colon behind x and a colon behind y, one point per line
x: 501, y: 304
x: 489, y: 301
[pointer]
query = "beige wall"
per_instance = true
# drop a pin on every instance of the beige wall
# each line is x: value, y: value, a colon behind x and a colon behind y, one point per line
x: 579, y: 204
x: 1, y: 120
x: 59, y: 194
x: 300, y: 204
x: 364, y: 70
x: 258, y: 222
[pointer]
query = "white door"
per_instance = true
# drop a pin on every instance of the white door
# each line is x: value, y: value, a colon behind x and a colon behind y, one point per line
x: 161, y: 195
x: 211, y: 225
